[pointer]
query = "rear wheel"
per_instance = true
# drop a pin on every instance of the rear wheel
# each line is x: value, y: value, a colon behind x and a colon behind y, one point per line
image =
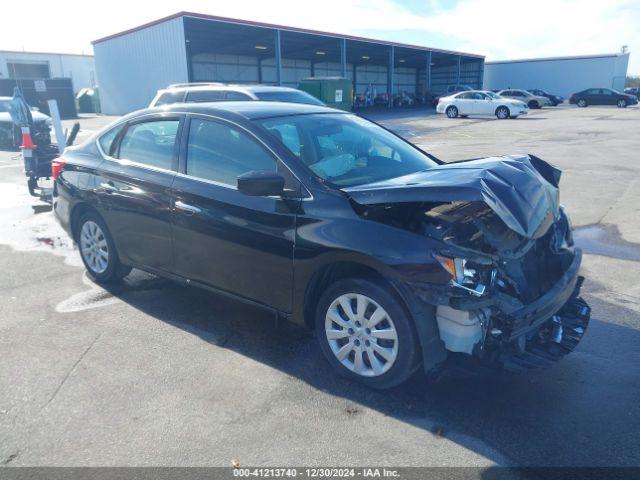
x: 365, y: 334
x: 502, y: 112
x: 622, y: 103
x: 98, y: 251
x: 582, y: 103
x: 452, y: 112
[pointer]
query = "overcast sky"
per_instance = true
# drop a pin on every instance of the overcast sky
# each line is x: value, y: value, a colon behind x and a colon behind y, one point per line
x: 496, y: 28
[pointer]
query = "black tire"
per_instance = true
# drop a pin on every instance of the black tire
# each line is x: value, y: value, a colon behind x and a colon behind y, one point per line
x: 452, y: 111
x: 582, y: 103
x: 533, y: 104
x: 622, y: 103
x: 502, y: 112
x: 115, y: 270
x: 408, y: 355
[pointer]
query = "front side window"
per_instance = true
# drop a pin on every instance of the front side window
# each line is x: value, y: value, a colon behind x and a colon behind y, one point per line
x: 151, y: 143
x: 347, y: 150
x: 198, y: 96
x: 220, y: 152
x: 237, y: 96
x: 288, y: 96
x: 170, y: 97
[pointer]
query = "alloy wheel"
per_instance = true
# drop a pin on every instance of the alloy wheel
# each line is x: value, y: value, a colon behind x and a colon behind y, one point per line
x: 361, y: 335
x: 452, y: 112
x: 502, y: 113
x: 93, y: 247
x: 622, y: 104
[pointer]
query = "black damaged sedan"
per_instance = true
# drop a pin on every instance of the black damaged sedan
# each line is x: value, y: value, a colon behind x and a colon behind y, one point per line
x: 329, y: 220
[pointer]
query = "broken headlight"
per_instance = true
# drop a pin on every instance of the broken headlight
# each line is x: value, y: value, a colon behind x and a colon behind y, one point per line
x: 464, y: 274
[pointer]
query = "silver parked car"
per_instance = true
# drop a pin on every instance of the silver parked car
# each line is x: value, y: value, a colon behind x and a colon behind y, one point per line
x: 533, y: 101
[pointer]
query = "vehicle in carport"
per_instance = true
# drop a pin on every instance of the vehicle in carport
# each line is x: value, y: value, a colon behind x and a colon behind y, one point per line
x: 395, y: 258
x: 220, y: 92
x: 481, y: 102
x: 532, y: 101
x: 602, y: 96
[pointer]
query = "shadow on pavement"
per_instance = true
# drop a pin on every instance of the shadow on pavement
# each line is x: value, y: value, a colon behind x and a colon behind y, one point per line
x: 571, y: 415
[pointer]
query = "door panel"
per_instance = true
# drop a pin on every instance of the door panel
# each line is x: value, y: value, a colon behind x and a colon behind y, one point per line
x: 136, y: 203
x: 135, y: 192
x: 222, y: 237
x: 233, y: 242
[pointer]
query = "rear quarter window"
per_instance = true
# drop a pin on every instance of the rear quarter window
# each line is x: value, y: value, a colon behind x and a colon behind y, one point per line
x: 106, y: 140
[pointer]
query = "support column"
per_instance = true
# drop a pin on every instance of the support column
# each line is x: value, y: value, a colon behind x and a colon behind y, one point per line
x: 481, y: 75
x: 313, y: 68
x: 427, y: 80
x: 458, y: 70
x: 278, y: 52
x: 343, y: 58
x: 259, y: 70
x: 390, y: 72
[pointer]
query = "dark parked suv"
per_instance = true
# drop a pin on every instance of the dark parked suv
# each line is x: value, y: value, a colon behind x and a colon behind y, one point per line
x: 329, y: 220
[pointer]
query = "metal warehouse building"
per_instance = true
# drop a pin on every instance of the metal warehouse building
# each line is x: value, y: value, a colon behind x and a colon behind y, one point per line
x: 559, y: 75
x: 190, y: 47
x: 43, y: 65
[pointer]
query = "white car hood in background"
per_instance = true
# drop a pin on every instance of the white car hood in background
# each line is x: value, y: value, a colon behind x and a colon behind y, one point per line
x: 37, y: 116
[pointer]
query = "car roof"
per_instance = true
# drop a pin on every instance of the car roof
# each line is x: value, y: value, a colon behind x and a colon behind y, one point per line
x: 248, y: 110
x: 240, y: 88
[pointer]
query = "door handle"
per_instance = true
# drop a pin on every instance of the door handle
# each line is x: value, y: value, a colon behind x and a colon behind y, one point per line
x: 185, y: 207
x: 108, y: 187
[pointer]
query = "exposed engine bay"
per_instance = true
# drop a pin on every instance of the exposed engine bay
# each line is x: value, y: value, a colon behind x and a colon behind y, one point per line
x: 513, y: 293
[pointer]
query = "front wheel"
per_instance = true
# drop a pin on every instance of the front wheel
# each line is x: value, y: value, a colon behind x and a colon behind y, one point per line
x: 97, y: 250
x: 582, y: 103
x: 366, y: 335
x: 533, y: 104
x: 452, y: 112
x: 622, y: 103
x: 502, y: 113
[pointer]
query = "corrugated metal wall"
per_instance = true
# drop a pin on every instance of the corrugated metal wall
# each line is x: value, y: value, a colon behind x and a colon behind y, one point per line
x: 132, y: 67
x: 79, y: 68
x: 559, y: 76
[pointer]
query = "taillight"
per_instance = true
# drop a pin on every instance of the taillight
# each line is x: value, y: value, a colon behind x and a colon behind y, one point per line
x: 56, y: 166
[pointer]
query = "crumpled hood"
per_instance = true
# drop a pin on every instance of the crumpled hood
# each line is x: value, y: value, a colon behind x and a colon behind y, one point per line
x: 521, y: 189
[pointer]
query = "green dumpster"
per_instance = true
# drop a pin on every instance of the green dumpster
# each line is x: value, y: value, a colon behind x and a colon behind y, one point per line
x: 88, y: 100
x: 336, y: 92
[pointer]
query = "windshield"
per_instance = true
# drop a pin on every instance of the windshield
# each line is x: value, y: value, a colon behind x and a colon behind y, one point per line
x: 347, y: 150
x: 287, y: 96
x: 4, y: 105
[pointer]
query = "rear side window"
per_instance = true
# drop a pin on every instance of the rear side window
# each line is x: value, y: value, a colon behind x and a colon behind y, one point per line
x: 170, y: 97
x: 106, y: 140
x: 205, y: 96
x: 220, y: 152
x: 151, y: 143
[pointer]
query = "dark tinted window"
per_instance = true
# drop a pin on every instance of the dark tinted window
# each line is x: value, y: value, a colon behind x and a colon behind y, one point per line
x: 220, y: 152
x: 465, y: 96
x: 205, y: 96
x: 170, y: 97
x: 593, y: 91
x: 151, y: 143
x: 288, y: 96
x: 237, y: 96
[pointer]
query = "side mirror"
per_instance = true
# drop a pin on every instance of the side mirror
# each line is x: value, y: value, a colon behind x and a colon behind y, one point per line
x: 261, y: 183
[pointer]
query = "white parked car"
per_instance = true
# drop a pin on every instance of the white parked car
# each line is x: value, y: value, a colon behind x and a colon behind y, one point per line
x: 534, y: 101
x: 480, y: 102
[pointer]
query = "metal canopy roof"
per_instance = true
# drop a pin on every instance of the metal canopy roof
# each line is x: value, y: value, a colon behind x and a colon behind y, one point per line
x: 243, y: 32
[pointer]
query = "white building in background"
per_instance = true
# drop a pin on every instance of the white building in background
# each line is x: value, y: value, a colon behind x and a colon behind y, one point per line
x: 40, y: 65
x: 559, y: 75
